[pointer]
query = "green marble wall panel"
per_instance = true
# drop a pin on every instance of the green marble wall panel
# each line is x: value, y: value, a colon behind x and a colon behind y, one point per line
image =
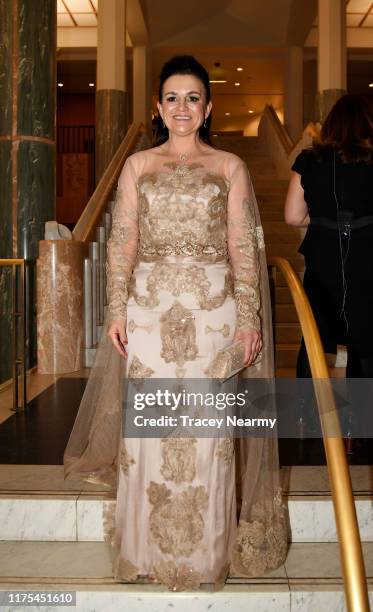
x: 36, y: 68
x: 36, y: 194
x: 5, y: 252
x: 5, y: 198
x: 6, y: 28
x: 111, y: 126
x: 5, y: 324
x: 27, y: 148
x: 36, y: 204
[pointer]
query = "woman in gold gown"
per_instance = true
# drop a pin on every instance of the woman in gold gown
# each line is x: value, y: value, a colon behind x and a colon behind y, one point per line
x: 187, y: 276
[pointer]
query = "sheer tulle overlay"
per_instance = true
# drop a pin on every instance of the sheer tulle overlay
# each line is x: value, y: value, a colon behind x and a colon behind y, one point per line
x: 186, y: 267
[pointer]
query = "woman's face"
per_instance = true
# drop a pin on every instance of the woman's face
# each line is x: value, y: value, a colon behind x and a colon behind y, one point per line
x: 183, y: 107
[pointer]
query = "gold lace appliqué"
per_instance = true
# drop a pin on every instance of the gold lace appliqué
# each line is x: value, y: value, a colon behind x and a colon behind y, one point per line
x: 125, y: 570
x: 176, y: 523
x: 225, y: 450
x: 178, y: 335
x: 138, y: 369
x: 177, y: 577
x: 261, y: 543
x: 178, y: 279
x: 179, y: 459
x: 125, y: 459
x: 108, y: 520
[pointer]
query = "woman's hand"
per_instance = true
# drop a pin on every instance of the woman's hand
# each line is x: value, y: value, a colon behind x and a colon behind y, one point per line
x: 253, y: 343
x: 117, y: 333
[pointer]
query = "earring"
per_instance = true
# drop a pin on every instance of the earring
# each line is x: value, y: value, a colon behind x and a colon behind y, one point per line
x: 164, y: 125
x: 205, y: 124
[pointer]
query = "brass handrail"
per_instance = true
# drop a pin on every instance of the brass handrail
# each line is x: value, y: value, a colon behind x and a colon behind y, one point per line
x: 18, y: 360
x: 352, y: 561
x: 88, y: 220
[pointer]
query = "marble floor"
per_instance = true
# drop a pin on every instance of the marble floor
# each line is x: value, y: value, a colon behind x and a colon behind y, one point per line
x: 309, y: 580
x: 296, y: 480
x: 54, y: 402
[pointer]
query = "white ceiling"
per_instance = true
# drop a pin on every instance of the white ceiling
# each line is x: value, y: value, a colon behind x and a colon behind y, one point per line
x: 77, y: 13
x: 359, y: 13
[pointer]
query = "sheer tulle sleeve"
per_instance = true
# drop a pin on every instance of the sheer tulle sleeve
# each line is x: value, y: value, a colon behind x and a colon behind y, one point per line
x: 243, y: 248
x: 122, y: 244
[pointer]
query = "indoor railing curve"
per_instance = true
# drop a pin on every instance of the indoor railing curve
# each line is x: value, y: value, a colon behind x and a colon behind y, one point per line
x: 352, y: 562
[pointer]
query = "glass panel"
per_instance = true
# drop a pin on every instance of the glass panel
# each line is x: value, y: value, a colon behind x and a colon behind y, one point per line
x: 85, y: 19
x: 368, y: 23
x: 79, y: 6
x: 61, y: 7
x: 354, y: 19
x: 64, y: 20
x: 358, y: 6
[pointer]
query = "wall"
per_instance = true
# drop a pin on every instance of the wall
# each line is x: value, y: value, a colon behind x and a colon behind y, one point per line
x: 75, y: 171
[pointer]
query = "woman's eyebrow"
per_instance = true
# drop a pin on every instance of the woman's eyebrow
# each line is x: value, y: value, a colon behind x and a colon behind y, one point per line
x: 174, y: 93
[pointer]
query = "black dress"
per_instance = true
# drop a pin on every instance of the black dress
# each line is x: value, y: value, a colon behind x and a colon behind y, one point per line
x: 343, y: 312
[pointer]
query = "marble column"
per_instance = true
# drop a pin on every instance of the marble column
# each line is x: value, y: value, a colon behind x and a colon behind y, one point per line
x: 142, y: 87
x: 111, y: 94
x: 332, y: 55
x: 60, y: 306
x: 27, y: 147
x: 293, y: 91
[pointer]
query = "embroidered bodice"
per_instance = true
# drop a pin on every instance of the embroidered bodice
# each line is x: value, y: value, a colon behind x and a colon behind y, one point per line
x: 195, y: 210
x: 183, y: 213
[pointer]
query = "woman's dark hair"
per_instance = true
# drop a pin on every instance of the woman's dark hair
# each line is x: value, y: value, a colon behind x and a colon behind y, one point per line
x: 183, y: 64
x: 349, y: 129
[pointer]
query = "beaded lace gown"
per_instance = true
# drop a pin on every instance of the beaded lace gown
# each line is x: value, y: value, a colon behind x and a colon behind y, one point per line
x: 185, y: 267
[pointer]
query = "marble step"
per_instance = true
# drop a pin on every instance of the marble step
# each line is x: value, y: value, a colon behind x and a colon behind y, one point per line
x: 286, y: 313
x: 288, y: 333
x: 283, y: 249
x: 309, y: 580
x: 286, y: 354
x: 78, y: 517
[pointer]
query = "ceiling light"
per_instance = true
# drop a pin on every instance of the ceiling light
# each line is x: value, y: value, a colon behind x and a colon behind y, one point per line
x: 227, y: 113
x: 370, y: 84
x: 91, y: 84
x: 217, y: 74
x: 60, y: 84
x: 237, y: 84
x: 251, y: 111
x: 239, y: 69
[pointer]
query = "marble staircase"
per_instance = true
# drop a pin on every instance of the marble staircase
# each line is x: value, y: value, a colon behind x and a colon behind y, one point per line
x: 51, y: 538
x: 280, y: 239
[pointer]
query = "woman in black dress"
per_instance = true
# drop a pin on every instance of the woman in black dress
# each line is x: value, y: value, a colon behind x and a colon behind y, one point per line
x: 331, y: 192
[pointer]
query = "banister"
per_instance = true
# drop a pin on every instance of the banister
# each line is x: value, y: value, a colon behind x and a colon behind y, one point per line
x: 352, y: 561
x: 86, y: 225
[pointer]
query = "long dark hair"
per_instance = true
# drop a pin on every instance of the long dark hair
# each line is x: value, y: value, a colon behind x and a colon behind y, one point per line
x: 183, y: 64
x: 349, y: 129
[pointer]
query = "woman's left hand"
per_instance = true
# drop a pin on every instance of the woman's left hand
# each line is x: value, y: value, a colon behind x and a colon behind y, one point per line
x: 253, y: 343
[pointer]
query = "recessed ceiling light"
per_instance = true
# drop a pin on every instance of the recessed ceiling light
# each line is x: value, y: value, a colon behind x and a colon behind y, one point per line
x: 239, y: 69
x: 218, y: 81
x: 237, y: 84
x: 370, y: 84
x: 251, y: 111
x: 60, y: 84
x: 91, y: 84
x: 227, y: 113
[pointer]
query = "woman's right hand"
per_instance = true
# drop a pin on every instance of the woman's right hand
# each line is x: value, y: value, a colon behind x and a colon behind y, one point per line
x: 117, y: 333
